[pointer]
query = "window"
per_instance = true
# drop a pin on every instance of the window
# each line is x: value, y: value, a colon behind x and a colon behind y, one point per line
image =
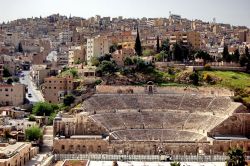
x: 54, y: 87
x: 7, y: 95
x: 6, y: 90
x: 63, y: 147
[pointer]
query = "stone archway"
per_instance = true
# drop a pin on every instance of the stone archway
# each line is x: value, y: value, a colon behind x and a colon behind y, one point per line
x: 150, y: 87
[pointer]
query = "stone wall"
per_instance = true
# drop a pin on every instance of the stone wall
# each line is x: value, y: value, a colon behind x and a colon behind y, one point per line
x: 80, y: 125
x: 83, y: 146
x: 209, y: 91
x: 236, y: 125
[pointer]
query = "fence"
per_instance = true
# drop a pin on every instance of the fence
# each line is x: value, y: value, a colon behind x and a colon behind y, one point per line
x: 155, y: 158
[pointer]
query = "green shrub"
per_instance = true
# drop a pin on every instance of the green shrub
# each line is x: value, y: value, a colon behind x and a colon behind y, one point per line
x: 98, y: 82
x: 44, y: 108
x: 175, y: 164
x: 32, y: 118
x: 68, y: 100
x: 33, y: 133
x: 51, y: 118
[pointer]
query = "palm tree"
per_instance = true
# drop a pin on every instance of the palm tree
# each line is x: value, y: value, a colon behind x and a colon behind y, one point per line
x: 175, y: 164
x: 236, y: 157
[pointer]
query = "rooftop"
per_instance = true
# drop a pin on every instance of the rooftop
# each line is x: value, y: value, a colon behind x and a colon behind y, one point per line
x: 9, y: 150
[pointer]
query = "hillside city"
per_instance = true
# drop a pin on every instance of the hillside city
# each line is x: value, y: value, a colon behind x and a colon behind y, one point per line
x: 124, y: 91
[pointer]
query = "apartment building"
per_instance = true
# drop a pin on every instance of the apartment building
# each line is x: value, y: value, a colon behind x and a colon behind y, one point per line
x: 66, y: 36
x: 16, y: 153
x: 12, y: 38
x: 38, y: 73
x: 242, y: 35
x: 194, y: 39
x: 97, y: 46
x: 177, y: 37
x: 12, y: 94
x: 10, y: 63
x: 191, y: 37
x: 55, y: 88
x: 62, y: 59
x: 76, y: 55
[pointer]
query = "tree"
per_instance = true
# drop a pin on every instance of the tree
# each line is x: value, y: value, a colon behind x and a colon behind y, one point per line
x: 106, y: 57
x: 95, y: 61
x: 128, y: 61
x: 20, y: 47
x: 74, y: 72
x: 158, y: 45
x: 161, y: 56
x: 68, y: 100
x: 51, y: 118
x: 236, y: 157
x: 148, y: 52
x: 177, y: 52
x: 244, y: 58
x: 225, y: 54
x: 33, y: 133
x: 32, y: 118
x: 107, y: 67
x: 248, y: 58
x: 6, y: 72
x: 10, y: 81
x: 165, y: 45
x: 194, y: 77
x: 113, y: 48
x: 236, y: 56
x: 138, y: 48
x: 44, y: 108
x: 175, y: 164
x: 16, y: 79
x: 203, y: 55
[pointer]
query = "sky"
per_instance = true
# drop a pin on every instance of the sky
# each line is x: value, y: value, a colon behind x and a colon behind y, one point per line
x: 235, y: 12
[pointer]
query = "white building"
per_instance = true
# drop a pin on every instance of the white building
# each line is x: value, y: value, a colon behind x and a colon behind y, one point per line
x: 65, y: 36
x: 97, y: 46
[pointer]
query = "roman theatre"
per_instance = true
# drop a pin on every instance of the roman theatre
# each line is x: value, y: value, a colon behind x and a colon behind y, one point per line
x: 154, y: 120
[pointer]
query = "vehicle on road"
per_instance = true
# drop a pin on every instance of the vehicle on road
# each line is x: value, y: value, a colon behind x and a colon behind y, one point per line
x: 29, y: 95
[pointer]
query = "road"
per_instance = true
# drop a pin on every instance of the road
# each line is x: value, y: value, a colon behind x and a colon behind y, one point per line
x: 32, y: 89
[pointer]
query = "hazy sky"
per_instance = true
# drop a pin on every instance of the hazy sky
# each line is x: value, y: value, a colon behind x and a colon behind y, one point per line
x: 236, y: 12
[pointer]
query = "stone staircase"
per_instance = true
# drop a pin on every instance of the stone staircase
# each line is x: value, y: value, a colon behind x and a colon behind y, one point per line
x: 47, y: 139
